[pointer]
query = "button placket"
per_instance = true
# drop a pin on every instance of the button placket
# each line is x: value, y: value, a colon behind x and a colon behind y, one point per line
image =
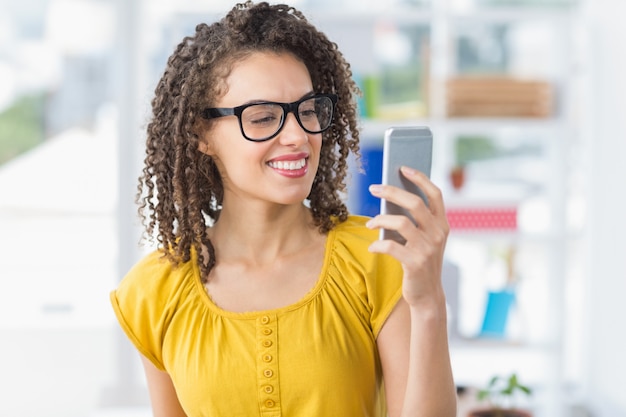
x: 267, y: 366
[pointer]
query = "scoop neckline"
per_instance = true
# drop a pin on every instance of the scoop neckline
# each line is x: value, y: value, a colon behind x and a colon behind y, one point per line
x: 319, y: 284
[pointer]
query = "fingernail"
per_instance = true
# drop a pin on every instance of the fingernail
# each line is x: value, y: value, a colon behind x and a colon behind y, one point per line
x: 408, y: 170
x: 375, y: 188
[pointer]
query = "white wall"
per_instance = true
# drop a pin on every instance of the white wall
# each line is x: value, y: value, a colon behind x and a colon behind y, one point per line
x: 606, y: 286
x: 54, y: 372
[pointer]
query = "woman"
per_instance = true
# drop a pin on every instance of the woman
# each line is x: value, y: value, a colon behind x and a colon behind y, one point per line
x: 266, y: 298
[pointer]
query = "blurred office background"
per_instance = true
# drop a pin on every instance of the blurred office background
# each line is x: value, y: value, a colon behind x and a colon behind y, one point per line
x: 526, y: 101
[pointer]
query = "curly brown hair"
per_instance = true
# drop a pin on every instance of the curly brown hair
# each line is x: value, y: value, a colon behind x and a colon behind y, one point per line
x: 180, y: 190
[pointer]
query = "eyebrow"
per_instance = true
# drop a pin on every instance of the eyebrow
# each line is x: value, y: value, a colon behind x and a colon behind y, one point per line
x: 258, y: 101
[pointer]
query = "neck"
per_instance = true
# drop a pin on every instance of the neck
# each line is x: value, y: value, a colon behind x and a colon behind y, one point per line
x: 259, y: 234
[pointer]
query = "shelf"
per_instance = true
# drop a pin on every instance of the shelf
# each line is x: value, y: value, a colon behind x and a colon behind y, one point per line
x: 480, y: 344
x: 473, y: 366
x: 516, y: 189
x: 483, y: 123
x: 466, y: 124
x: 376, y: 127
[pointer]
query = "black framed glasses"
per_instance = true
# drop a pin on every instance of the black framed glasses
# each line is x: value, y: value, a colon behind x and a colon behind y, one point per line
x: 264, y: 120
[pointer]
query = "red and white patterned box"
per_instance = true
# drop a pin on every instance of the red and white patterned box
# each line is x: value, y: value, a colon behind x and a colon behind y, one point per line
x: 482, y: 218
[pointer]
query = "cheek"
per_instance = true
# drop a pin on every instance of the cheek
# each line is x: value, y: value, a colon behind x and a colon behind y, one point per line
x: 316, y: 143
x: 217, y: 139
x: 236, y: 157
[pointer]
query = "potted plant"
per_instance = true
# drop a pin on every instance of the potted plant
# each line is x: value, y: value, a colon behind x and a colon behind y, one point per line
x: 500, y: 393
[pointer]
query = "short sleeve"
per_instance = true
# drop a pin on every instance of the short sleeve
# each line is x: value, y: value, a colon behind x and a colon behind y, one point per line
x: 375, y: 278
x: 384, y: 290
x: 144, y: 303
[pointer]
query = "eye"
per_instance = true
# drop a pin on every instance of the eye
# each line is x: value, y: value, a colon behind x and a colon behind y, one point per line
x: 261, y: 119
x: 262, y: 115
x: 308, y: 113
x: 307, y: 110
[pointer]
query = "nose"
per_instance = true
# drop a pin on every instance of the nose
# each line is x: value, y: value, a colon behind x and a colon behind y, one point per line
x: 292, y: 133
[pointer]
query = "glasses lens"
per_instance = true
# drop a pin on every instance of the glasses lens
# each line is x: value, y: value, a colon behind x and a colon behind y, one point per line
x: 316, y: 114
x: 261, y: 121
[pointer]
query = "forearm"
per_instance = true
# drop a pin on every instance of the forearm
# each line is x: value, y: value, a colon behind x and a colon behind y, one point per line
x: 430, y: 389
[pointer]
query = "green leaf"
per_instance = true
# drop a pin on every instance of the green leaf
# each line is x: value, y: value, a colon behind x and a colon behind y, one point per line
x: 483, y: 394
x: 493, y: 381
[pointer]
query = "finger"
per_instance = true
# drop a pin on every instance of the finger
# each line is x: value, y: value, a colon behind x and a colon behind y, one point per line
x: 399, y: 251
x: 412, y: 203
x: 432, y: 192
x: 413, y: 258
x: 398, y: 223
x: 400, y: 197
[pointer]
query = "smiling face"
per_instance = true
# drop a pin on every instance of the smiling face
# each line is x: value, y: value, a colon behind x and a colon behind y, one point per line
x: 282, y: 169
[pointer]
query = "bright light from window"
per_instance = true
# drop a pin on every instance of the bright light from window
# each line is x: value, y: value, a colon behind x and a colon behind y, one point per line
x: 80, y: 26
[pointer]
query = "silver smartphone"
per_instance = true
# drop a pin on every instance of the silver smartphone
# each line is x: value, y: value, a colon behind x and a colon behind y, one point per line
x: 411, y: 146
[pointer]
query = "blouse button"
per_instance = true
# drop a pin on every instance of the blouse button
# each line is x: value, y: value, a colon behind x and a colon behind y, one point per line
x: 268, y: 389
x: 268, y: 373
x: 265, y: 319
x: 267, y: 343
x: 267, y: 358
x: 269, y: 403
x: 267, y: 332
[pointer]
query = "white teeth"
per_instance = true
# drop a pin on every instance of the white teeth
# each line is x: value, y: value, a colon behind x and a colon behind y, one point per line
x: 288, y: 165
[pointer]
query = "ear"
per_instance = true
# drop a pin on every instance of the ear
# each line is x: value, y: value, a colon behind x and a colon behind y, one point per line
x: 204, y: 145
x: 201, y: 131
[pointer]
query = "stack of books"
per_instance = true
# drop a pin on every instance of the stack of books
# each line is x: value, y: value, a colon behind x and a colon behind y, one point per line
x: 494, y: 96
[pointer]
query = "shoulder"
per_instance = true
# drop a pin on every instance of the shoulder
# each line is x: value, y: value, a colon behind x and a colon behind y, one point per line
x: 351, y: 257
x: 155, y: 276
x: 352, y: 238
x: 354, y: 230
x: 147, y: 299
x: 374, y: 279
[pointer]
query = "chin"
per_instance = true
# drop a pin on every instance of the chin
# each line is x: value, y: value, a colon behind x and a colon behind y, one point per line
x: 295, y: 198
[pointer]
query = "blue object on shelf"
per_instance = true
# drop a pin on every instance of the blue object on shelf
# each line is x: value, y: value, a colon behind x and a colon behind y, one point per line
x: 372, y: 160
x: 497, y: 313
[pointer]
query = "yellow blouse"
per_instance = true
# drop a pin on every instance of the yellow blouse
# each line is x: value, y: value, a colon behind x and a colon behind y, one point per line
x: 314, y: 358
